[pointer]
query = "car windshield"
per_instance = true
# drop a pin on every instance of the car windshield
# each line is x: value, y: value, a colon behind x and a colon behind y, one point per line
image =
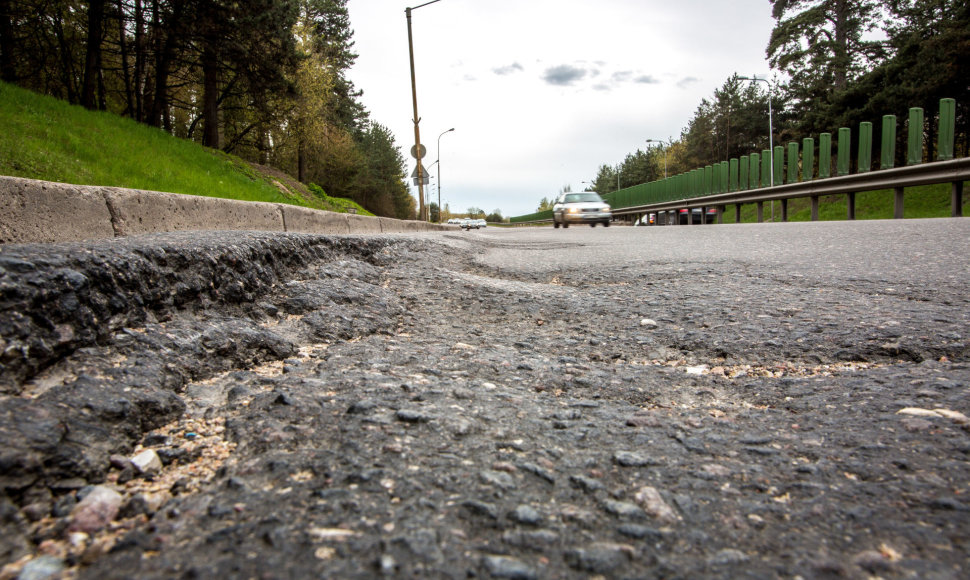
x: 581, y: 197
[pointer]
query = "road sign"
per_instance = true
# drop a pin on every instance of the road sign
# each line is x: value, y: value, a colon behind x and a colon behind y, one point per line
x: 418, y: 153
x: 424, y: 172
x: 424, y: 181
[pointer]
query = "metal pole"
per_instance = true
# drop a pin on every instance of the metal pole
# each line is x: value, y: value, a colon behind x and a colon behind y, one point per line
x: 417, y: 131
x: 422, y: 210
x: 438, y: 161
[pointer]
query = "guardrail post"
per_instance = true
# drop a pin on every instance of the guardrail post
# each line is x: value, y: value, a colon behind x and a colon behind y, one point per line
x: 734, y: 171
x: 814, y: 208
x: 766, y: 168
x: 808, y: 159
x: 779, y: 165
x: 755, y: 172
x: 743, y: 166
x: 824, y: 155
x: 915, y: 156
x: 956, y: 199
x: 898, y: 203
x: 865, y: 147
x: 888, y: 160
x: 792, y: 163
x: 948, y: 117
x: 737, y: 213
x: 845, y: 149
x: 784, y: 209
x: 850, y: 203
x: 761, y: 212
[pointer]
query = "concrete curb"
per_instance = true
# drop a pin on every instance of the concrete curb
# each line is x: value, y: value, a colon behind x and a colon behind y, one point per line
x: 33, y: 211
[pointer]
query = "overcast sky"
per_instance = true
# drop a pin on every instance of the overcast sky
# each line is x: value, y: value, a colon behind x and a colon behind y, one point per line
x: 543, y: 92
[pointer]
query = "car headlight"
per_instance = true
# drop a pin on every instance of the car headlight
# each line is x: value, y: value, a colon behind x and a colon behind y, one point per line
x: 573, y: 210
x: 606, y: 208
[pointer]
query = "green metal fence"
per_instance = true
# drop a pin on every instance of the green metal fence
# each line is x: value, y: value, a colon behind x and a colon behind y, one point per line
x: 755, y: 171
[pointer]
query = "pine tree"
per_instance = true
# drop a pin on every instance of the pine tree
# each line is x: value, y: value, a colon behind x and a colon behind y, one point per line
x: 821, y: 45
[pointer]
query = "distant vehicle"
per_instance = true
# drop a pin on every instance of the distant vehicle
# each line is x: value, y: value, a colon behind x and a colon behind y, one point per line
x: 482, y: 223
x: 696, y: 214
x: 467, y: 224
x: 586, y: 207
x: 649, y: 219
x: 454, y: 221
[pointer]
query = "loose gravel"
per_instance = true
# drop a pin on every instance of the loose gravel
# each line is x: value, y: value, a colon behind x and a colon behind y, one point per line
x: 284, y: 406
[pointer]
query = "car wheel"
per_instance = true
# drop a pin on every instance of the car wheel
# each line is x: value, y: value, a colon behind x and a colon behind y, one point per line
x: 606, y: 224
x: 592, y: 225
x: 565, y: 225
x: 555, y: 225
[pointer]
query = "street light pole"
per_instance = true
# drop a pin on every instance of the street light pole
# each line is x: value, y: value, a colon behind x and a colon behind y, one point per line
x: 438, y: 161
x: 771, y: 129
x: 665, y: 144
x: 422, y: 210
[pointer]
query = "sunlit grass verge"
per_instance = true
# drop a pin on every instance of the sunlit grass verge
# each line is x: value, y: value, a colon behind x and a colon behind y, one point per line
x: 927, y: 201
x: 45, y: 138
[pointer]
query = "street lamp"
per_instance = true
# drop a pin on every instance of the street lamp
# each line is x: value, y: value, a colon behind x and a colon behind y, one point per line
x: 438, y: 161
x: 422, y: 210
x: 666, y: 144
x: 771, y: 130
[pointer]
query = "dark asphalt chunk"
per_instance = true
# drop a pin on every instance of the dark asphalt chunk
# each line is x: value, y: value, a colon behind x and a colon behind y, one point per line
x: 398, y: 406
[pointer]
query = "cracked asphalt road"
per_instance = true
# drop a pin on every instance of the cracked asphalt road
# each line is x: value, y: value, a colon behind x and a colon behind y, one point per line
x: 763, y: 401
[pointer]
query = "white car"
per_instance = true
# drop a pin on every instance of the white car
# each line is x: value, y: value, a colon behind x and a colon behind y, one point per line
x: 586, y: 207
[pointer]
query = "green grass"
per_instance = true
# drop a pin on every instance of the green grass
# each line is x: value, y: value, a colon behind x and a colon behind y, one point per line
x: 45, y: 138
x: 927, y: 201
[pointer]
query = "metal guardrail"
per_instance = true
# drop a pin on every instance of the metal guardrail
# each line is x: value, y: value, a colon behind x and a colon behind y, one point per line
x: 954, y: 171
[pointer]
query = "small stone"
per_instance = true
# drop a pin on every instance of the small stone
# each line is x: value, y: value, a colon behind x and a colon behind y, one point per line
x: 42, y: 568
x: 623, y: 509
x: 648, y: 323
x: 506, y: 567
x: 96, y: 510
x: 480, y: 508
x: 497, y: 478
x: 538, y: 471
x: 413, y: 416
x: 527, y: 515
x: 599, y: 558
x: 587, y: 484
x: 653, y: 503
x: 728, y: 556
x: 363, y: 407
x: 915, y: 424
x: 537, y: 540
x: 639, y: 532
x: 147, y: 462
x: 872, y: 561
x: 631, y: 459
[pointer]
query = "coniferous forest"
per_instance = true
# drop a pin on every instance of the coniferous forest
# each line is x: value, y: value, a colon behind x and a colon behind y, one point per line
x: 263, y: 79
x: 835, y: 63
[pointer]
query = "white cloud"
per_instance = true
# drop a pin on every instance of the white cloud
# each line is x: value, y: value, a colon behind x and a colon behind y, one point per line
x: 541, y: 93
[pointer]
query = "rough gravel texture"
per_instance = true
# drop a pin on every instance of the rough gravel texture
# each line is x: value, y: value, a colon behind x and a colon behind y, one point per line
x: 717, y: 402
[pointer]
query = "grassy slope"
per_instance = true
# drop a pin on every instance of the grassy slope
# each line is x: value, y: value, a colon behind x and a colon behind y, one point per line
x: 926, y: 201
x: 48, y: 139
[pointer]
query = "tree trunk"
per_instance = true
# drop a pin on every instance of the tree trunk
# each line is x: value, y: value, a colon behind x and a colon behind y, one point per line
x: 140, y: 58
x: 125, y: 69
x: 301, y: 162
x: 840, y: 60
x: 92, y: 59
x: 8, y: 72
x: 210, y: 95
